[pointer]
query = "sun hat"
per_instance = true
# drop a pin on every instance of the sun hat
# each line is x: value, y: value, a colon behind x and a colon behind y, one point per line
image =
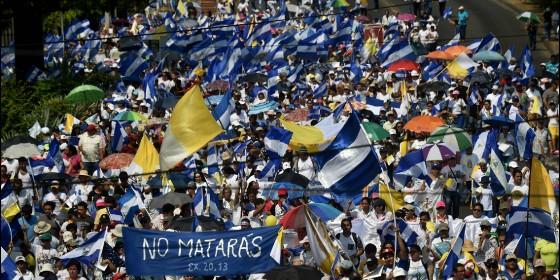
x: 468, y: 246
x: 41, y: 227
x: 117, y: 231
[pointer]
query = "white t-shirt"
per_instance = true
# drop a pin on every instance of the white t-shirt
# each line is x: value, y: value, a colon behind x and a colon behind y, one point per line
x: 43, y: 256
x: 305, y: 168
x: 486, y: 197
x: 553, y: 117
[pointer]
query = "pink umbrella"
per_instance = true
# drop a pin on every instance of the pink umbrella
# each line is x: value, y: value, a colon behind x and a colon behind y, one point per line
x: 437, y: 152
x: 406, y: 17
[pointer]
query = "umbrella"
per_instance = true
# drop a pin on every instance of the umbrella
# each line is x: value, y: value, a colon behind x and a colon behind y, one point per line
x: 406, y: 17
x: 116, y: 161
x: 439, y: 55
x: 403, y: 64
x: 175, y: 198
x: 26, y: 150
x: 294, y: 191
x: 290, y: 272
x: 374, y: 131
x: 290, y: 176
x: 207, y: 224
x: 528, y: 16
x: 178, y: 180
x: 255, y: 77
x: 85, y: 94
x: 218, y: 85
x: 454, y: 137
x: 439, y: 152
x: 295, y: 218
x: 488, y: 56
x: 454, y: 51
x: 499, y: 121
x: 129, y: 116
x: 297, y: 115
x: 53, y: 176
x: 436, y: 86
x: 480, y: 77
x: 19, y: 140
x: 424, y: 124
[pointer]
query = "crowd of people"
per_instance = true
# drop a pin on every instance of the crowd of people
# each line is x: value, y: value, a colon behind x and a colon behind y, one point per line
x: 58, y: 215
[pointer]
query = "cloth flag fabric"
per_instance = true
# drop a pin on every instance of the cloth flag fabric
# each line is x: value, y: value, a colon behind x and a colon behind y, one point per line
x: 223, y: 110
x: 323, y: 249
x: 131, y: 202
x: 191, y: 127
x: 146, y: 159
x: 453, y: 256
x: 542, y: 192
x: 120, y: 138
x: 407, y: 233
x: 524, y: 136
x: 533, y: 222
x: 276, y: 142
x: 71, y: 121
x: 393, y: 198
x: 88, y: 253
x: 349, y: 163
x: 412, y: 165
x: 447, y: 12
x: 484, y: 143
x: 205, y: 202
x: 460, y: 66
x: 498, y: 180
x: 9, y: 269
x: 35, y: 130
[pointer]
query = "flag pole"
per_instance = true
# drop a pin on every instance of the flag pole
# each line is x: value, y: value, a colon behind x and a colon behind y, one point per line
x: 527, y: 221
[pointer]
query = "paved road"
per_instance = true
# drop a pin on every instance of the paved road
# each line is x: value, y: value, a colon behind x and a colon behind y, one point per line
x: 485, y: 16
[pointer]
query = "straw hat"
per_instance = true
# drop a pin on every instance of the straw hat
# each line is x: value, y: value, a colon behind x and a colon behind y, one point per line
x: 41, y: 227
x: 468, y: 246
x: 117, y: 231
x: 83, y: 172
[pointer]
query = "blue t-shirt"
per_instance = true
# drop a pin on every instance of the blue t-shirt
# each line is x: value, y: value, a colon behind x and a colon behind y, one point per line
x: 462, y: 18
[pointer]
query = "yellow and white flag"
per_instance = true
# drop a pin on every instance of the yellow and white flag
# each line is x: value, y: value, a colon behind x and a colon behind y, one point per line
x: 459, y: 67
x: 71, y: 121
x: 322, y: 247
x: 191, y: 127
x: 146, y: 159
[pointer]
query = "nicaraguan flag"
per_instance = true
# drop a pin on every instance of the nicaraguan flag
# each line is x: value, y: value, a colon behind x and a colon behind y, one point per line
x: 348, y: 163
x: 35, y: 74
x: 131, y: 202
x: 498, y: 179
x: 120, y: 137
x: 524, y: 136
x: 484, y: 143
x: 223, y: 110
x: 270, y: 169
x: 206, y: 202
x: 412, y: 165
x: 213, y: 159
x: 533, y: 222
x: 447, y: 12
x: 489, y: 43
x: 276, y: 141
x: 75, y: 28
x: 407, y: 233
x: 401, y: 50
x: 320, y: 91
x: 9, y: 269
x: 87, y: 253
x: 132, y: 65
x: 527, y: 64
x: 453, y: 256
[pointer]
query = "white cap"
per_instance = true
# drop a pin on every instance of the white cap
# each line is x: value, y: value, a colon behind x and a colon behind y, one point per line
x: 45, y: 130
x: 67, y: 236
x: 414, y: 73
x: 495, y: 87
x: 63, y: 146
x: 409, y: 199
x: 286, y: 165
x: 461, y: 8
x: 392, y: 131
x: 260, y: 168
x: 513, y: 164
x: 111, y: 106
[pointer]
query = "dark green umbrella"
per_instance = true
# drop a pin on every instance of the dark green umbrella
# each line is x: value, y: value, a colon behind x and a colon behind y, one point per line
x: 85, y: 94
x: 374, y: 131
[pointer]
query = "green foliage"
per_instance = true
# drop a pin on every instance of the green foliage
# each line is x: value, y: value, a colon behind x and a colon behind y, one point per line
x: 51, y: 22
x: 23, y: 104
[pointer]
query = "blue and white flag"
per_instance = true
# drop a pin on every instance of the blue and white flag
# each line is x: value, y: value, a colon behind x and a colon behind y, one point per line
x: 412, y: 165
x: 454, y: 254
x: 376, y: 105
x: 132, y: 65
x: 89, y: 252
x: 489, y: 43
x: 271, y: 168
x: 533, y: 222
x: 498, y: 179
x: 131, y: 202
x: 9, y: 268
x: 276, y: 141
x: 398, y: 51
x: 349, y: 162
x: 524, y: 136
x: 356, y: 73
x: 35, y: 74
x: 239, y: 252
x: 206, y: 202
x: 75, y: 28
x: 526, y: 63
x: 447, y: 13
x: 483, y: 143
x: 320, y: 91
x: 407, y: 233
x: 473, y: 97
x: 120, y: 137
x: 223, y: 110
x: 213, y: 159
x: 431, y: 70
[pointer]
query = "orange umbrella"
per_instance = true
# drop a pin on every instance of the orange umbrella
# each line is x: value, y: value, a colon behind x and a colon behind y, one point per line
x: 439, y: 55
x: 454, y: 51
x: 424, y: 124
x: 116, y: 161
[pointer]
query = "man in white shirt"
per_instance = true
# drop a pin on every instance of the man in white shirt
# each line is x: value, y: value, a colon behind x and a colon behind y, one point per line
x: 472, y: 223
x: 350, y: 241
x: 304, y: 165
x: 518, y: 189
x: 91, y: 148
x: 22, y: 271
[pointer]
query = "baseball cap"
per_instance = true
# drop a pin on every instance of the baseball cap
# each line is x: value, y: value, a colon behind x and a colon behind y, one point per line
x: 485, y: 223
x: 442, y: 226
x: 440, y: 204
x: 513, y: 164
x: 20, y: 259
x: 511, y: 256
x: 387, y: 251
x: 537, y: 263
x: 45, y: 237
x: 346, y: 264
